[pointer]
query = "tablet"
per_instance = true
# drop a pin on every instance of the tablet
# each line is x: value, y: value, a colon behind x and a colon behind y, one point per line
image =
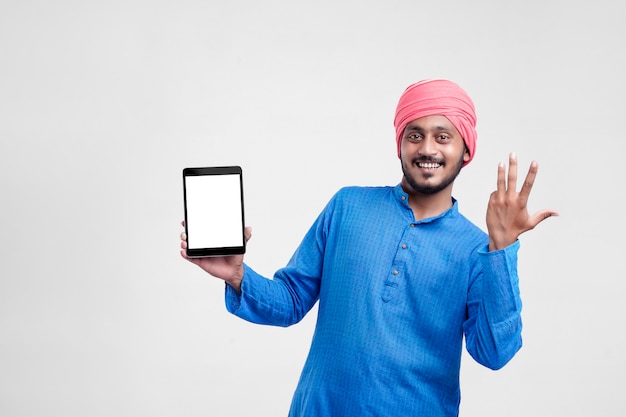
x: 214, y: 214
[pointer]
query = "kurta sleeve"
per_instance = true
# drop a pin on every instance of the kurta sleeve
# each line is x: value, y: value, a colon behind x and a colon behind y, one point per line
x: 493, y: 329
x: 294, y: 289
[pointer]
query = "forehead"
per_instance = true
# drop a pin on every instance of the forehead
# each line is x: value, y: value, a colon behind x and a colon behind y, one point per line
x: 435, y: 122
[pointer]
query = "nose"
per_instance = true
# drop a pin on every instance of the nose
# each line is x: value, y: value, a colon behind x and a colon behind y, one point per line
x: 428, y: 146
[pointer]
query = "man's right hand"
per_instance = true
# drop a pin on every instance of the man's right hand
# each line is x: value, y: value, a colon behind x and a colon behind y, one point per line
x: 228, y: 268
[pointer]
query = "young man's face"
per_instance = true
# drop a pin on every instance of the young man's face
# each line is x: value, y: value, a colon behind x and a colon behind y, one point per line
x: 432, y: 154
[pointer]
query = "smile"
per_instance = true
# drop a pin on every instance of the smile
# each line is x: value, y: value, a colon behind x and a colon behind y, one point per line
x: 429, y: 165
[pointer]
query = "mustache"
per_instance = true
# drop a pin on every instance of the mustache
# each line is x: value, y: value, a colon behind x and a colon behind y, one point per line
x: 422, y: 159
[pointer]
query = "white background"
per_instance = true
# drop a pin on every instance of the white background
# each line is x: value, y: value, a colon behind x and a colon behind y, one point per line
x: 102, y: 103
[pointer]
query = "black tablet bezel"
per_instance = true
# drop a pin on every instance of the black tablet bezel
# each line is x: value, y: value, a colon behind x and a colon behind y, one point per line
x: 215, y: 251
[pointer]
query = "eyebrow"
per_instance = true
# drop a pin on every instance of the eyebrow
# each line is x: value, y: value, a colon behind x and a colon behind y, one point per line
x: 417, y: 128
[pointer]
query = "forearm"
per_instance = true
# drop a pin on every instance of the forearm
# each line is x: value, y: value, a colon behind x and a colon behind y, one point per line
x: 294, y: 289
x: 493, y: 329
x: 261, y: 300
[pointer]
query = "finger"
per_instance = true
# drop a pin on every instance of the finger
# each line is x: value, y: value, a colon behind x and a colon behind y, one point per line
x: 195, y: 261
x: 182, y: 223
x: 183, y: 236
x: 528, y: 182
x: 512, y: 181
x: 247, y: 232
x: 501, y: 185
x: 540, y: 216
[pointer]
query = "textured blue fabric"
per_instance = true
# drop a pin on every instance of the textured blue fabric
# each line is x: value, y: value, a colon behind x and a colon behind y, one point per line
x: 395, y: 298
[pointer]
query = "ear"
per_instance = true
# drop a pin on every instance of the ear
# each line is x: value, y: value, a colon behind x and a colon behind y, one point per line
x: 466, y: 154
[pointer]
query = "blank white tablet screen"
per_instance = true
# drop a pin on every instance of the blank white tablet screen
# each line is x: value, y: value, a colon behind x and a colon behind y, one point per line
x: 213, y: 211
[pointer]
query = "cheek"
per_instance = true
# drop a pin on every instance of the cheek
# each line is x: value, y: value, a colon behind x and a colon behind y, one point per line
x: 406, y: 147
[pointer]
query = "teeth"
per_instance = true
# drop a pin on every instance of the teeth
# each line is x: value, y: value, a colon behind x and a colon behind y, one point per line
x: 429, y: 165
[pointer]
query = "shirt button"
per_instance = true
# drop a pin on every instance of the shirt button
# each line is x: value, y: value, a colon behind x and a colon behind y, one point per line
x: 412, y: 225
x: 395, y: 272
x: 403, y: 198
x: 403, y: 246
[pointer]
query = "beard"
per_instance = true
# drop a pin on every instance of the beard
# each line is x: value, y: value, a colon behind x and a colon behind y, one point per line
x: 430, y: 189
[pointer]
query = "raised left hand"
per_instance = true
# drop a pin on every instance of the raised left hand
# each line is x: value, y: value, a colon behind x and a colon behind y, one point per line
x: 507, y: 212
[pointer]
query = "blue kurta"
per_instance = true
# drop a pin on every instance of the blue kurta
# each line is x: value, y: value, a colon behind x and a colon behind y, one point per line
x: 395, y: 298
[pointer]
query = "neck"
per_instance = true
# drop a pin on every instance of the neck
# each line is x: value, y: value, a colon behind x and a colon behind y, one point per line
x: 428, y: 205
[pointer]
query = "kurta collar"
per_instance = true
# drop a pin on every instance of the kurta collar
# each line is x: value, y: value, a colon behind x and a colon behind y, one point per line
x: 403, y: 199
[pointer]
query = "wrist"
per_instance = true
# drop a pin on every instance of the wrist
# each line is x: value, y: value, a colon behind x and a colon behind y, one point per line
x: 235, y: 280
x: 495, y: 245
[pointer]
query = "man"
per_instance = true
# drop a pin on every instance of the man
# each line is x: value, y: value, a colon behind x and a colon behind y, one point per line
x: 400, y: 275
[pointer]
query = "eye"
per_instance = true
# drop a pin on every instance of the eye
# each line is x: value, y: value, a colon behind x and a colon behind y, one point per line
x: 443, y: 138
x: 414, y: 137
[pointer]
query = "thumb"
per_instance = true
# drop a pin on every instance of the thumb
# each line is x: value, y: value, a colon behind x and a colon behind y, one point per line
x: 541, y: 216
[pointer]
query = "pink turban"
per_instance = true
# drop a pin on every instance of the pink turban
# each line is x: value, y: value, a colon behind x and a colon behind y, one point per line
x: 441, y: 98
